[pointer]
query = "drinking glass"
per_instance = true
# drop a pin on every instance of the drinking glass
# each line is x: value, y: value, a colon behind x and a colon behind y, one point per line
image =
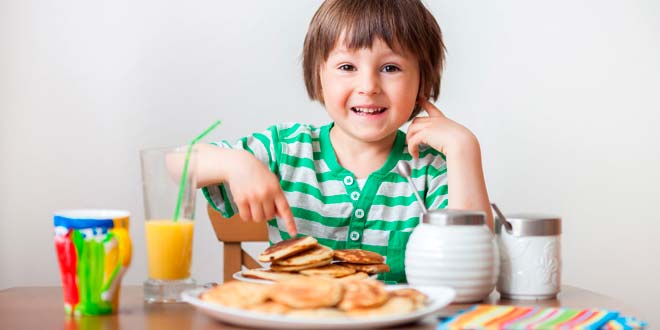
x: 169, y: 206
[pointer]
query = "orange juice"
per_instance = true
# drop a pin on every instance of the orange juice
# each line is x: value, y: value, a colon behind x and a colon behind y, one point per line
x: 169, y: 248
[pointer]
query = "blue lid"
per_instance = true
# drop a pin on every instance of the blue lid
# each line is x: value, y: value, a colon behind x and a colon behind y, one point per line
x: 81, y: 219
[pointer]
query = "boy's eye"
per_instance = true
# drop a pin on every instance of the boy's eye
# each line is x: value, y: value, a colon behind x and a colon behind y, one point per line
x: 346, y: 67
x: 391, y: 68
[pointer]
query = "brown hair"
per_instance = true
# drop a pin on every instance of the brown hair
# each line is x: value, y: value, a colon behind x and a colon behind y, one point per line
x: 404, y: 25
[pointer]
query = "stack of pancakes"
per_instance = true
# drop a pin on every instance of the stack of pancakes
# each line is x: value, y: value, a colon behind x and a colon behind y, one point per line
x: 304, y: 256
x: 317, y: 297
x: 362, y: 261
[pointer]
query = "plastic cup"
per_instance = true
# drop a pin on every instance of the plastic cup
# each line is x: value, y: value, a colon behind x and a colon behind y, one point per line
x: 169, y: 240
x: 94, y: 251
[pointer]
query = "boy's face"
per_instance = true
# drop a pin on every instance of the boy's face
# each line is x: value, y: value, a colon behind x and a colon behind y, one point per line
x: 369, y: 93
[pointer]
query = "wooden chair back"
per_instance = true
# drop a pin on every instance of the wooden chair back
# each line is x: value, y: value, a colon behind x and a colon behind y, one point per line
x: 231, y: 232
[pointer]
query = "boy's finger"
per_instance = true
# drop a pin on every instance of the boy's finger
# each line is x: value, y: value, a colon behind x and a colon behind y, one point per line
x: 284, y: 211
x: 417, y: 125
x: 244, y: 211
x: 431, y: 109
x: 414, y: 140
x: 269, y: 210
x: 257, y: 212
x: 413, y: 147
x: 413, y: 151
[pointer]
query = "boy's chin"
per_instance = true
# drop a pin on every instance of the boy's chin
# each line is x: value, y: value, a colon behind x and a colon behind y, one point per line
x: 372, y: 136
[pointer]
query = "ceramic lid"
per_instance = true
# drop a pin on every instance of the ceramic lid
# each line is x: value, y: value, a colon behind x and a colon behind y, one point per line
x: 447, y: 217
x: 532, y: 224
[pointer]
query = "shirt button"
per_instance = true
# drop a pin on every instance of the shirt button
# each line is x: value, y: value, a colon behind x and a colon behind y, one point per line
x: 355, y: 195
x: 359, y: 213
x: 355, y: 236
x: 348, y: 180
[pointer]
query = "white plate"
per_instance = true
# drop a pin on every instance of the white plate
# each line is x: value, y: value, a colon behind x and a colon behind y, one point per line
x: 239, y: 277
x: 439, y: 297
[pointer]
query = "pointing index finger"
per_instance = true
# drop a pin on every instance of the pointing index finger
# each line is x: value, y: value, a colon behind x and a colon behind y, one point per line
x: 284, y: 211
x: 431, y: 109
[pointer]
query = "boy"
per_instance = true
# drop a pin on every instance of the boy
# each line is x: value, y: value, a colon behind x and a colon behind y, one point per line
x: 373, y: 65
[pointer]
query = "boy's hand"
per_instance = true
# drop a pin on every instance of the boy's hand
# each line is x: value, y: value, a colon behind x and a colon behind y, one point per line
x: 439, y: 132
x: 463, y: 153
x: 257, y: 193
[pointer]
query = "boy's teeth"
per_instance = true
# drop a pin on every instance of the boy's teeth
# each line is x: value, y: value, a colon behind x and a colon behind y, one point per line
x: 367, y: 110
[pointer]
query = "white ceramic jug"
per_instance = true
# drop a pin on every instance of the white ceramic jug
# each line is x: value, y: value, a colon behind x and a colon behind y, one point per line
x: 456, y: 249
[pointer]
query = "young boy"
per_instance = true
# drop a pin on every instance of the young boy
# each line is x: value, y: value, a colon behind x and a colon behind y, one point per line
x: 373, y: 65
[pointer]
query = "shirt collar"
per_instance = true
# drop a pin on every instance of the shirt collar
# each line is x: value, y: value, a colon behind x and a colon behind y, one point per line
x: 330, y: 158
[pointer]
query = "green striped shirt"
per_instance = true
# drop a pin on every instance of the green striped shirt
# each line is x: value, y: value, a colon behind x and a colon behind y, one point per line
x: 325, y: 198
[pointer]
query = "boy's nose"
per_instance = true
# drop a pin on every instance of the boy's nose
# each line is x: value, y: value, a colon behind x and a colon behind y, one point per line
x: 369, y: 84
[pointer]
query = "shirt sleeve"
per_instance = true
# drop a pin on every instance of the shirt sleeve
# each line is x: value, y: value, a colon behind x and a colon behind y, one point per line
x: 264, y: 146
x: 437, y: 194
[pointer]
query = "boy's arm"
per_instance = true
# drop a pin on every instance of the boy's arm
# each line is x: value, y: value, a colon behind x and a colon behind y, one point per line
x: 467, y: 187
x: 212, y: 164
x: 255, y: 189
x: 466, y: 179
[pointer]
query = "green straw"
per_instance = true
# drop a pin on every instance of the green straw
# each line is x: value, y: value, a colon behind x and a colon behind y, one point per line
x: 184, y: 175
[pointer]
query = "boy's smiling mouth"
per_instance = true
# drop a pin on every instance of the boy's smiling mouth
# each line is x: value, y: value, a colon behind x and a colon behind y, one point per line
x: 368, y: 110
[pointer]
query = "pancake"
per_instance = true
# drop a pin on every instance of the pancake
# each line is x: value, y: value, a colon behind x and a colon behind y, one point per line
x: 270, y: 307
x: 299, y: 268
x: 418, y: 298
x: 269, y: 274
x: 356, y: 276
x: 393, y: 306
x: 307, y: 292
x: 329, y: 271
x: 363, y: 294
x: 358, y: 256
x: 287, y: 248
x: 237, y: 294
x: 311, y: 256
x: 369, y: 269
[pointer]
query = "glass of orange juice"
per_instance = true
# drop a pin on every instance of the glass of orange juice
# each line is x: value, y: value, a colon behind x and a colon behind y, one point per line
x: 169, y: 222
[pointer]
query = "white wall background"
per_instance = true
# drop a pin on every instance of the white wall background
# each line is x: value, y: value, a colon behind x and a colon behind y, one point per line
x: 563, y: 96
